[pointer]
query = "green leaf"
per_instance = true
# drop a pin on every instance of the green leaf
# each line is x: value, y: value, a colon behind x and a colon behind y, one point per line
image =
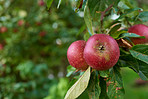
x: 129, y: 61
x: 93, y: 87
x: 86, y: 36
x: 88, y: 19
x: 115, y: 84
x: 143, y: 70
x: 123, y: 35
x: 48, y: 3
x: 118, y: 76
x: 143, y: 16
x: 104, y: 73
x: 59, y: 3
x: 103, y: 94
x: 79, y: 86
x: 140, y: 52
x: 70, y: 70
x: 113, y: 30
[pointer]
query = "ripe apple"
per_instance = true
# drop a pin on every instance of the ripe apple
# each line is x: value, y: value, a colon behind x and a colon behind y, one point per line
x: 101, y: 52
x: 20, y: 22
x: 42, y: 33
x: 141, y: 30
x: 3, y: 29
x: 1, y: 46
x: 41, y: 3
x: 75, y: 55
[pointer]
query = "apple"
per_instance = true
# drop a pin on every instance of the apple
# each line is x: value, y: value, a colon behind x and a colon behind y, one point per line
x: 42, y: 33
x: 20, y: 22
x: 3, y: 29
x: 101, y: 52
x: 139, y: 29
x: 75, y: 55
x: 1, y: 46
x: 41, y: 3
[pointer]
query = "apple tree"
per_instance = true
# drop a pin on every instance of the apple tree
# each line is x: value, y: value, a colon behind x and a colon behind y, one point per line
x: 118, y: 19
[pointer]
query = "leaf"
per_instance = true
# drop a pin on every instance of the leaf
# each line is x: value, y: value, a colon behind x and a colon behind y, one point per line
x: 114, y: 30
x: 86, y: 36
x: 59, y: 4
x: 130, y: 35
x: 70, y: 70
x: 93, y: 86
x: 48, y: 3
x: 115, y: 84
x: 103, y: 94
x: 88, y: 19
x: 140, y: 52
x: 143, y: 70
x: 104, y: 73
x: 118, y: 76
x: 79, y: 86
x: 143, y: 16
x: 117, y: 34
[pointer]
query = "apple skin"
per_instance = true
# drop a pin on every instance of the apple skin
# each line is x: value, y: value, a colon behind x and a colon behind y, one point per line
x: 101, y: 52
x: 141, y: 30
x: 75, y: 55
x: 3, y: 29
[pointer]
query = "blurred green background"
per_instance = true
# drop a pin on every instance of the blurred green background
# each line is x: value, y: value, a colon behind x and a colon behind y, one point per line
x: 33, y: 46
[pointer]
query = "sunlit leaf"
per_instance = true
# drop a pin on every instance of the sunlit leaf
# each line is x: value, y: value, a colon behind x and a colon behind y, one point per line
x: 79, y: 86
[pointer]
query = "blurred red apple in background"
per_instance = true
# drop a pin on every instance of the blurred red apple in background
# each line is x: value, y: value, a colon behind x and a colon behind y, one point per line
x: 3, y: 29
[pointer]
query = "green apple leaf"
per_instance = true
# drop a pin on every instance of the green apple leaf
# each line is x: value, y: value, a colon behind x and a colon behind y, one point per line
x: 113, y: 30
x: 115, y: 84
x: 88, y: 19
x: 140, y: 52
x: 70, y: 70
x: 103, y: 94
x: 129, y: 61
x: 143, y: 70
x: 48, y: 3
x: 93, y: 86
x: 143, y: 16
x: 104, y: 73
x: 79, y: 87
x: 86, y: 36
x: 123, y: 35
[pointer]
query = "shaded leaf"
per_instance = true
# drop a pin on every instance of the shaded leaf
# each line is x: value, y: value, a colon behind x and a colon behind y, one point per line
x: 93, y: 87
x: 79, y: 86
x: 113, y: 30
x: 88, y: 19
x: 143, y: 16
x: 140, y: 52
x: 103, y: 94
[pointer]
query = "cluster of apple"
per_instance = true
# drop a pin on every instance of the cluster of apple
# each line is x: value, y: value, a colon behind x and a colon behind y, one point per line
x: 101, y: 51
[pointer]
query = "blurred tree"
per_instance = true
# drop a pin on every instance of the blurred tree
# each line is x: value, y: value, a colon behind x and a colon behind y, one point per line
x: 33, y: 48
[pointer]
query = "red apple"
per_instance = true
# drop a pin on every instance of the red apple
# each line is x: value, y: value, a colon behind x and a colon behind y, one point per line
x: 42, y: 33
x: 1, y: 46
x: 20, y: 22
x: 75, y: 55
x: 3, y: 29
x: 41, y: 3
x: 141, y: 30
x: 101, y: 52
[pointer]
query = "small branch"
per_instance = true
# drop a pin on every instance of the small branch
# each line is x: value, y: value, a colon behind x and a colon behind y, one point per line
x: 126, y: 43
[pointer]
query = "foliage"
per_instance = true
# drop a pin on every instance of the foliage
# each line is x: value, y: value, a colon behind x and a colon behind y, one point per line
x: 33, y: 56
x: 112, y: 17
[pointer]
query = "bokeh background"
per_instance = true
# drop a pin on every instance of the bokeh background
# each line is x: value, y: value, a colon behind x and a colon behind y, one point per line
x: 33, y: 46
